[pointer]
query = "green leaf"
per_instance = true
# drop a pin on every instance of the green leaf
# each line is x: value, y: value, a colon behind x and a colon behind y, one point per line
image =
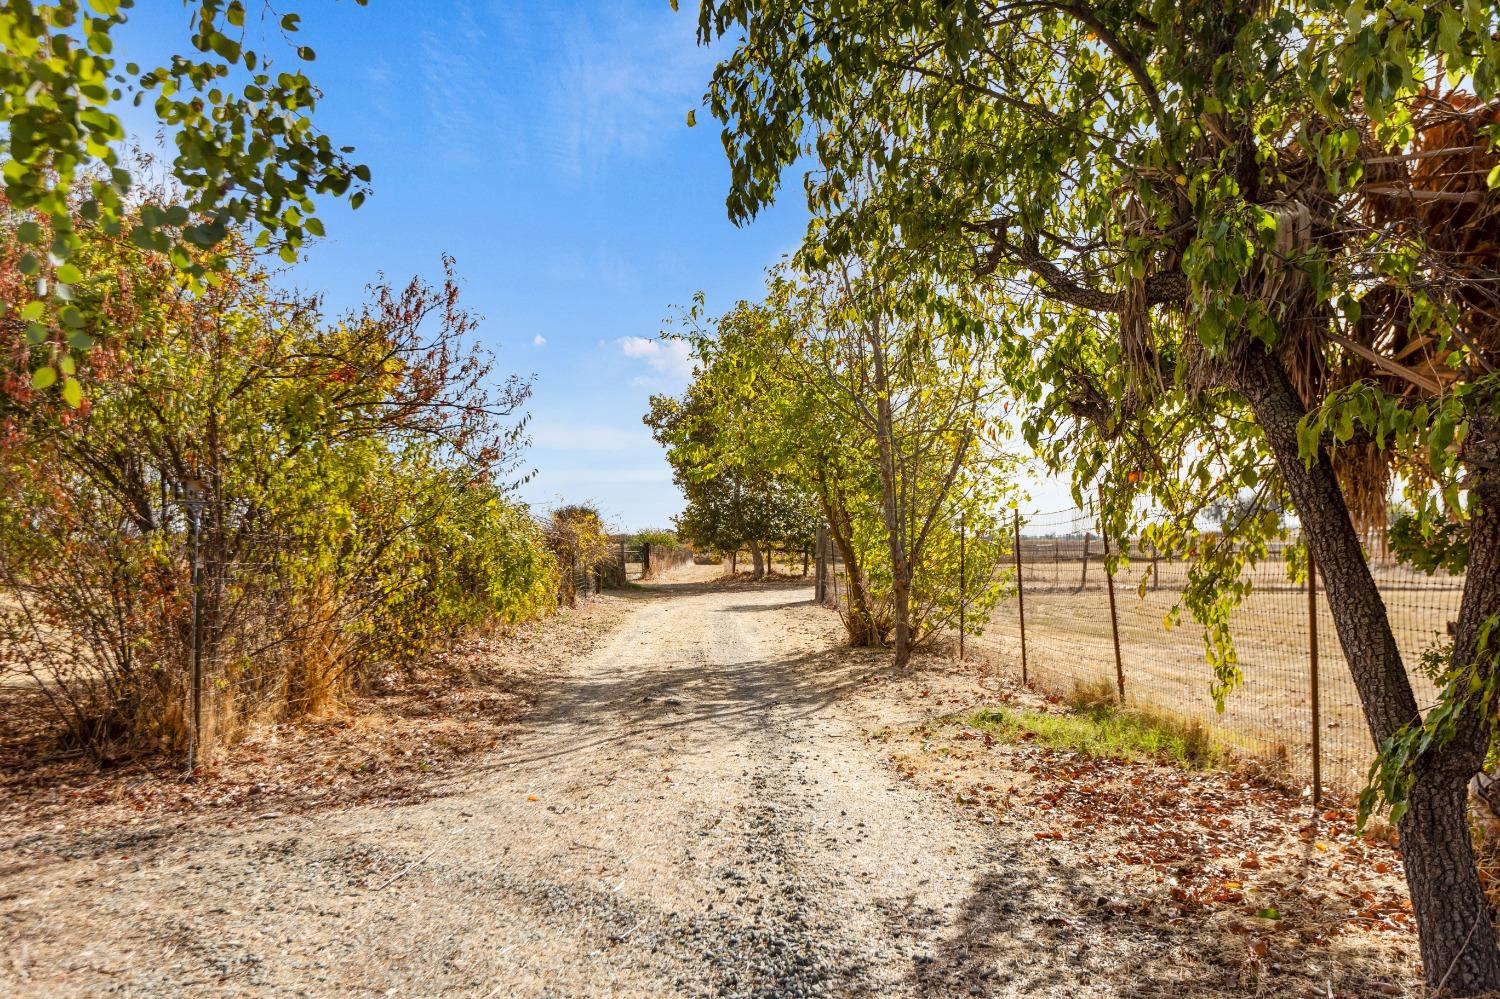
x: 72, y: 392
x: 43, y: 377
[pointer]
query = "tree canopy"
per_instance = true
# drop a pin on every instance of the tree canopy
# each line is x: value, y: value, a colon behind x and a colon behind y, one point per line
x: 246, y: 154
x: 1243, y: 247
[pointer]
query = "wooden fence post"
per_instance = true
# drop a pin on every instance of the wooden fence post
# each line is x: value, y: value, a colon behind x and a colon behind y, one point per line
x: 1312, y: 651
x: 1109, y: 580
x: 1020, y: 593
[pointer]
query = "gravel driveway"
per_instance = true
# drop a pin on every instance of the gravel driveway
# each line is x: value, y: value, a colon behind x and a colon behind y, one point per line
x: 689, y: 812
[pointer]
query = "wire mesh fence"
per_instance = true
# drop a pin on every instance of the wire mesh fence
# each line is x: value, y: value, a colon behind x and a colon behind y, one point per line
x: 643, y: 560
x: 1284, y: 640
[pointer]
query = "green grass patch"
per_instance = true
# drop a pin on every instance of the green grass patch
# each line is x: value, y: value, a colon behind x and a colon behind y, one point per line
x: 1106, y: 731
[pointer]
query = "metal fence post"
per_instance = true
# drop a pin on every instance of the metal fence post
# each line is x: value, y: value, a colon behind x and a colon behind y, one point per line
x: 1083, y: 579
x: 1020, y: 593
x: 194, y: 501
x: 963, y: 583
x: 1109, y: 580
x: 1312, y: 650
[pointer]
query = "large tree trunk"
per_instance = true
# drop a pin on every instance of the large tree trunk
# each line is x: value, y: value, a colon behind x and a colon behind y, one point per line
x: 1457, y: 941
x: 1453, y: 922
x: 757, y: 560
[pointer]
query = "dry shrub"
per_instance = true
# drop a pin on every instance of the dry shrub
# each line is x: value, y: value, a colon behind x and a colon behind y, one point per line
x: 339, y: 483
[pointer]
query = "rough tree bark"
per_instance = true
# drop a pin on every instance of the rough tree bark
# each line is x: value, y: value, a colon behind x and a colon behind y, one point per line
x: 757, y: 560
x: 1457, y: 942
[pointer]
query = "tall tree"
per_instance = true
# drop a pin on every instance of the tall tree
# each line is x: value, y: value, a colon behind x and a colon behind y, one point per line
x: 1249, y: 243
x: 736, y: 496
x: 875, y: 389
x: 905, y: 366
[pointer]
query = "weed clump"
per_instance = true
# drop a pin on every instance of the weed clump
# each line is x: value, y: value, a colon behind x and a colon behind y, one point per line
x: 1099, y: 727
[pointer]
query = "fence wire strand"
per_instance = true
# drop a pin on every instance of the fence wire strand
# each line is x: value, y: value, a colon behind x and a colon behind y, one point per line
x: 1069, y: 640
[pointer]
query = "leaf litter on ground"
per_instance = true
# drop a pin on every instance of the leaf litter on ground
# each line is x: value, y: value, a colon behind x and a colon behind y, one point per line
x: 1295, y: 901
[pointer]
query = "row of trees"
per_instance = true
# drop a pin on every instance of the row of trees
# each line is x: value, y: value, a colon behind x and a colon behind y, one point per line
x: 855, y: 396
x: 1235, y: 246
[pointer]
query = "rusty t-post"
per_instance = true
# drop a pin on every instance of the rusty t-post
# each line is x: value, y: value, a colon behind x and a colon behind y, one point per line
x: 1312, y: 659
x: 1020, y: 592
x: 1109, y: 579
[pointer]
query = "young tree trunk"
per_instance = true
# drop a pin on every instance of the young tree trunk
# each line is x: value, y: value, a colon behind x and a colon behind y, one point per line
x: 901, y: 598
x: 891, y: 509
x: 1447, y: 898
x: 860, y: 620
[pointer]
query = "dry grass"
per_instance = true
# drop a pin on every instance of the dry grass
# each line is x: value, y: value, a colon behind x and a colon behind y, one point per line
x: 402, y: 741
x: 1069, y: 642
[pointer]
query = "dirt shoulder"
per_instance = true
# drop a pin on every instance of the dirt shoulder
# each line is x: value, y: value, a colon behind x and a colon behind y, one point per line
x: 713, y: 798
x: 1140, y: 878
x: 408, y: 738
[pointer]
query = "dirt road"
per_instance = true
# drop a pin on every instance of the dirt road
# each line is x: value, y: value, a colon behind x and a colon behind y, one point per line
x: 688, y: 814
x: 694, y: 808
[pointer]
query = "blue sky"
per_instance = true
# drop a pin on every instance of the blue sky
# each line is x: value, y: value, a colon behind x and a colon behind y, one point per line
x: 545, y: 146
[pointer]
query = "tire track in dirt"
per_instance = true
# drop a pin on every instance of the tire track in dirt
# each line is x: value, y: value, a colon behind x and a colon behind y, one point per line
x: 686, y: 814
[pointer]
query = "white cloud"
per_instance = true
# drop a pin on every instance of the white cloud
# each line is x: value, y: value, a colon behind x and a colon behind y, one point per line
x: 539, y: 341
x: 670, y: 357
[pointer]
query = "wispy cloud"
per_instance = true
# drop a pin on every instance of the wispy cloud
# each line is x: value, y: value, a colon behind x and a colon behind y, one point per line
x: 539, y: 341
x: 586, y: 437
x: 575, y: 88
x: 625, y: 80
x: 600, y: 267
x: 456, y: 85
x: 670, y: 357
